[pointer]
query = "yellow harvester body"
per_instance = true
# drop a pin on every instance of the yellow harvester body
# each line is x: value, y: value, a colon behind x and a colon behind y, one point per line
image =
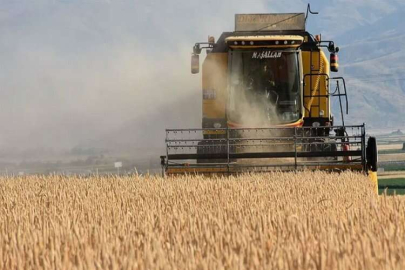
x: 266, y: 104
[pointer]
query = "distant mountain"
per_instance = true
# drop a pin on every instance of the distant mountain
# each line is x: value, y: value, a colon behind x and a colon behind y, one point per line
x: 396, y: 133
x: 372, y: 58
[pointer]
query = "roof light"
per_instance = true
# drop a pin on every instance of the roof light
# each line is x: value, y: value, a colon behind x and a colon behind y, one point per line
x: 217, y: 125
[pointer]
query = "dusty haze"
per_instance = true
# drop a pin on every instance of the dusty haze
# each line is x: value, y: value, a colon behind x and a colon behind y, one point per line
x: 80, y: 72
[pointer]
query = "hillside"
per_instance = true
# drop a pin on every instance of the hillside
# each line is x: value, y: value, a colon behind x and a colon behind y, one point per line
x: 372, y: 61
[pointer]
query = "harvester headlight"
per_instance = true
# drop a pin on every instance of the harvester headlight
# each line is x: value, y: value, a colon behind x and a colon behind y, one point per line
x: 236, y: 43
x: 293, y: 42
x: 286, y: 42
x: 217, y: 125
x: 251, y: 43
x: 243, y: 43
x: 322, y: 113
x: 277, y: 42
x: 316, y: 124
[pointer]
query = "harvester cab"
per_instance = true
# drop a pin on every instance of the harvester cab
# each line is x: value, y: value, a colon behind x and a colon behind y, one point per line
x: 267, y: 91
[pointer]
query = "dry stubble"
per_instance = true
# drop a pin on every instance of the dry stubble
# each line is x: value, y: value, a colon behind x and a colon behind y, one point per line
x: 273, y: 221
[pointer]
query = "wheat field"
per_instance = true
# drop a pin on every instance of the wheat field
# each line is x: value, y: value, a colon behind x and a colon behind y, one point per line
x: 310, y: 220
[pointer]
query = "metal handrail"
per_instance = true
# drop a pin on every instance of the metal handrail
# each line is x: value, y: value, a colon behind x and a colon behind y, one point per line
x: 268, y: 139
x: 266, y: 128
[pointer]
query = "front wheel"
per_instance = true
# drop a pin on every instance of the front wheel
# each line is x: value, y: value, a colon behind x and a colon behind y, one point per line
x: 372, y: 154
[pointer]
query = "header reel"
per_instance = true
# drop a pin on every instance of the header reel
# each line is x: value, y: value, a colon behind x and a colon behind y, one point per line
x: 234, y: 151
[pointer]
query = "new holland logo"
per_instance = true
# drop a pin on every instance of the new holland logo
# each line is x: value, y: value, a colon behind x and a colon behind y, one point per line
x: 266, y: 55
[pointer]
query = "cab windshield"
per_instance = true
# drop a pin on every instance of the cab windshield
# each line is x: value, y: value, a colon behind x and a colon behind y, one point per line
x: 264, y: 87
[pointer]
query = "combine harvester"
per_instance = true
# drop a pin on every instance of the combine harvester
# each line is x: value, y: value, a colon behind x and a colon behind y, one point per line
x: 267, y: 94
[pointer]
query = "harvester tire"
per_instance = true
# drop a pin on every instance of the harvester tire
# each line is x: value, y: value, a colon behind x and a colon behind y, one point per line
x: 372, y: 154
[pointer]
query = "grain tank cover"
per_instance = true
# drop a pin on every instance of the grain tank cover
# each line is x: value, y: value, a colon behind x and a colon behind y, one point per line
x: 270, y: 22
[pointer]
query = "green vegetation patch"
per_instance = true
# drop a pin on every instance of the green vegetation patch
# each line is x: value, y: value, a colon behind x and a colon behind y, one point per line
x: 393, y: 167
x: 392, y: 191
x: 392, y: 182
x: 392, y: 185
x: 391, y: 151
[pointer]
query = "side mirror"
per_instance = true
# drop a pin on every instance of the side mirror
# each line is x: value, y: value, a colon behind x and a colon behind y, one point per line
x: 195, y: 64
x: 334, y: 62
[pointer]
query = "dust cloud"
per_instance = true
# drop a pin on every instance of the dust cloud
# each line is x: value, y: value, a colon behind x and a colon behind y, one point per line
x: 252, y: 108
